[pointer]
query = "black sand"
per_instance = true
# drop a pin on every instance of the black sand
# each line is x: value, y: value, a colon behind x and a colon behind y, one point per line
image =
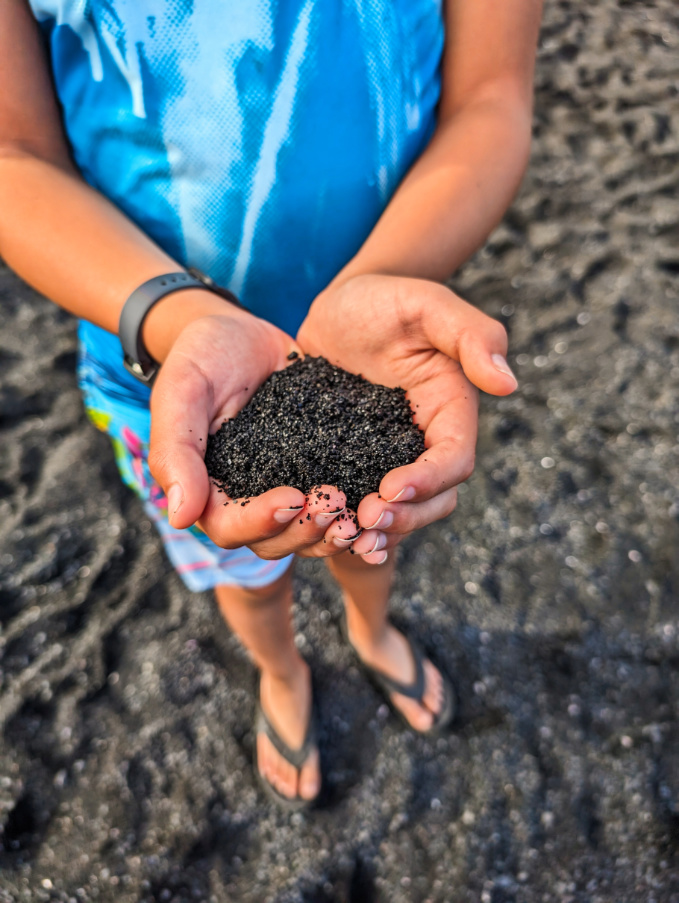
x: 314, y: 424
x: 552, y: 592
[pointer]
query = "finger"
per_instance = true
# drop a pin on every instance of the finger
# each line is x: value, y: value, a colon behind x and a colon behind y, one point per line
x: 449, y: 457
x: 341, y: 534
x: 484, y: 363
x: 368, y: 543
x: 382, y: 542
x: 439, y: 468
x: 405, y: 517
x: 345, y: 533
x: 328, y: 546
x: 377, y: 551
x: 232, y: 523
x: 380, y: 557
x: 179, y: 431
x: 322, y: 506
x: 476, y: 340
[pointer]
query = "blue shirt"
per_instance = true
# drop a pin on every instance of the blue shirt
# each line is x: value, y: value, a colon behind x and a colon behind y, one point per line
x: 258, y: 140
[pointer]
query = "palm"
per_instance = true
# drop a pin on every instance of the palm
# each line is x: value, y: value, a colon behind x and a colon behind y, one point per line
x: 374, y: 326
x: 228, y: 360
x: 215, y: 366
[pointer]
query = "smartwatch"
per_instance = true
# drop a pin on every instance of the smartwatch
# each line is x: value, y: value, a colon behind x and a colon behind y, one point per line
x: 136, y: 358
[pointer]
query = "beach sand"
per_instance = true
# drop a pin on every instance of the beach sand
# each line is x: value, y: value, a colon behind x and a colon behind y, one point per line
x: 552, y: 592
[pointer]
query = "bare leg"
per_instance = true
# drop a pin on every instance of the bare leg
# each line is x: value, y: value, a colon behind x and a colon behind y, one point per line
x: 261, y: 620
x: 366, y: 589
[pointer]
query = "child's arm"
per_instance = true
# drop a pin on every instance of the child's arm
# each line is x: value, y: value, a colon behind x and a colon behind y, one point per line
x: 77, y: 248
x: 381, y: 315
x: 59, y: 234
x: 462, y: 184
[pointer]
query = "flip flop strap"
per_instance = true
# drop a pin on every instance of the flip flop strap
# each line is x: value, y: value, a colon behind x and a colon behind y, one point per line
x: 296, y: 757
x: 414, y: 690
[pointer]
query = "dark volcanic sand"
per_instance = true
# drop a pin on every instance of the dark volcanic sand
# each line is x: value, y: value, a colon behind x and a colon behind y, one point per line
x: 314, y: 424
x: 552, y: 592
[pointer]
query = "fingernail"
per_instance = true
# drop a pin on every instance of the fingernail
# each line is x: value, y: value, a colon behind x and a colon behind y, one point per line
x: 407, y: 493
x: 175, y: 499
x: 284, y: 515
x: 501, y: 364
x: 380, y: 542
x: 322, y: 520
x: 342, y: 539
x: 382, y: 559
x: 386, y: 519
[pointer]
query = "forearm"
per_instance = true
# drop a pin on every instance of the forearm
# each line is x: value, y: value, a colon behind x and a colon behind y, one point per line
x: 78, y: 249
x: 454, y: 195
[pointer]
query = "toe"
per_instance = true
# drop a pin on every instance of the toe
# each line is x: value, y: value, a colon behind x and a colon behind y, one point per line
x: 263, y: 757
x: 418, y: 716
x: 286, y: 775
x: 310, y: 777
x: 433, y: 694
x: 274, y: 769
x: 267, y: 760
x: 263, y: 754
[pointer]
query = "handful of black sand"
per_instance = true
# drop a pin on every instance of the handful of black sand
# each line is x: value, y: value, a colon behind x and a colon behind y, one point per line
x: 314, y: 424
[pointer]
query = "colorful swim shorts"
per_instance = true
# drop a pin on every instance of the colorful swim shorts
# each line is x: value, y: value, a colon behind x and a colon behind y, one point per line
x: 122, y: 412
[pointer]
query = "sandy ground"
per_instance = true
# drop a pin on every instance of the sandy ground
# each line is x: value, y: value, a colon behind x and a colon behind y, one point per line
x: 552, y: 593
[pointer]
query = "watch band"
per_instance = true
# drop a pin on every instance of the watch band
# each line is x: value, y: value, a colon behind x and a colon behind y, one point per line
x: 136, y: 359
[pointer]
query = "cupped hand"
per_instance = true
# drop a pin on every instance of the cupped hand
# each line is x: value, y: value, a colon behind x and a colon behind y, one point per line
x: 421, y: 336
x: 212, y: 370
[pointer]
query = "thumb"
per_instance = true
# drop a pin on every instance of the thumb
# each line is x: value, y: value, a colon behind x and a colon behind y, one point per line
x: 179, y: 433
x: 474, y: 339
x: 482, y: 353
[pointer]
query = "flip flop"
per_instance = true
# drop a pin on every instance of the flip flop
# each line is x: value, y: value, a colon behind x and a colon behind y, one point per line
x: 387, y: 685
x: 296, y: 758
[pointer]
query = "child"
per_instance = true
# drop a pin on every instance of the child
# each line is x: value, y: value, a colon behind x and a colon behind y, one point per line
x: 329, y: 162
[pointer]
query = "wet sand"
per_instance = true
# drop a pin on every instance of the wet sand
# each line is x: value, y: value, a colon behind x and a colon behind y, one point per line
x: 552, y: 593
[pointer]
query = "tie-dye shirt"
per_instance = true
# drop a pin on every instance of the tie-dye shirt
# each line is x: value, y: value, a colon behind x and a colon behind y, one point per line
x: 258, y: 140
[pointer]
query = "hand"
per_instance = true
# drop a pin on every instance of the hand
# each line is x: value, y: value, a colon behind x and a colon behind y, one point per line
x: 212, y: 370
x: 422, y: 337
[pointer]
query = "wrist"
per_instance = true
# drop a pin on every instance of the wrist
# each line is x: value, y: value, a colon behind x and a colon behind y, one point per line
x: 167, y: 319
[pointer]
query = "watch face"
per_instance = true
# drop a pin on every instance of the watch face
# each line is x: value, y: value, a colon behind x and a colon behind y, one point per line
x: 138, y: 305
x: 137, y: 360
x: 144, y: 375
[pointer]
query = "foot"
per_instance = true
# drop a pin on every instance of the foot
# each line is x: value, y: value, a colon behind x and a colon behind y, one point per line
x: 392, y: 656
x: 287, y: 706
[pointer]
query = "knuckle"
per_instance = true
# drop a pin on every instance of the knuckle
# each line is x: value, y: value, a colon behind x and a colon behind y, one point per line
x: 265, y: 553
x: 158, y: 462
x: 498, y: 334
x: 224, y: 538
x: 405, y: 522
x: 322, y: 550
x: 452, y: 502
x: 441, y: 513
x: 225, y: 542
x: 467, y: 467
x: 396, y: 539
